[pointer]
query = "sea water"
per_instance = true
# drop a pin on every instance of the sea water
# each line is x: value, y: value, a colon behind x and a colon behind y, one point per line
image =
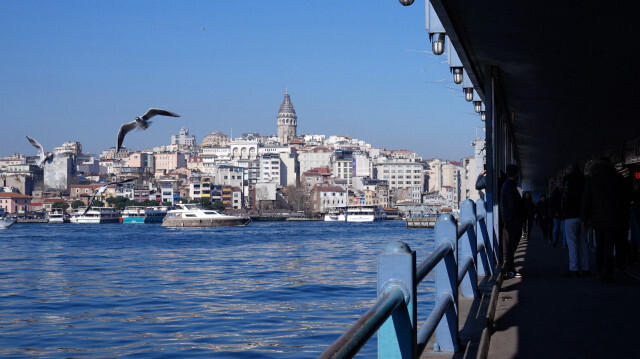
x: 267, y: 290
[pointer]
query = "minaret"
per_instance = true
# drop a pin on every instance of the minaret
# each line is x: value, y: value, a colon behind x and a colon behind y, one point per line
x: 287, y: 120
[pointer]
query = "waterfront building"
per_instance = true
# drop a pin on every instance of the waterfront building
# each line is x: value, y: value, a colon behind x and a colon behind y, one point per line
x: 287, y: 120
x: 327, y: 198
x: 13, y: 202
x: 183, y: 138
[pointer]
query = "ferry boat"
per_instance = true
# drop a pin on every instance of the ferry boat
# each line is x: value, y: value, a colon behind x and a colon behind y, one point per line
x: 193, y: 215
x: 5, y: 222
x: 96, y: 215
x: 138, y: 214
x: 356, y: 214
x: 58, y: 215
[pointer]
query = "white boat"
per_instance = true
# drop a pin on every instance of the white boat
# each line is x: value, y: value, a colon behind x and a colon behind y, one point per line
x: 58, y: 215
x: 5, y: 222
x: 334, y: 216
x: 139, y: 214
x: 193, y: 215
x: 357, y: 214
x: 96, y: 215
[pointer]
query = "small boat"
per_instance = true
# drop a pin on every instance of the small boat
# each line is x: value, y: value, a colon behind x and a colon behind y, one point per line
x: 58, y: 215
x: 334, y: 216
x: 193, y: 215
x: 96, y: 215
x: 138, y: 214
x: 5, y: 222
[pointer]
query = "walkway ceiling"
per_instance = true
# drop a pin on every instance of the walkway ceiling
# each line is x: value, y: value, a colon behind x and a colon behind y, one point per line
x: 566, y: 70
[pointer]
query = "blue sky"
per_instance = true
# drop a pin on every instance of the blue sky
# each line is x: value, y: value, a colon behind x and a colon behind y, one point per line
x: 77, y: 70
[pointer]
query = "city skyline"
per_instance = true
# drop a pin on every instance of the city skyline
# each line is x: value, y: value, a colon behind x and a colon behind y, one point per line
x: 76, y: 72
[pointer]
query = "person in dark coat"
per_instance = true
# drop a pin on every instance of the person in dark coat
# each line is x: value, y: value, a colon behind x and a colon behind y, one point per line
x: 575, y: 234
x: 542, y: 208
x: 512, y: 212
x: 605, y: 203
x: 555, y: 215
x: 530, y: 212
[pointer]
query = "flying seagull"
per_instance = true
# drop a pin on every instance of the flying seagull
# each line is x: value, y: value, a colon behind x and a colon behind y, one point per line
x: 42, y: 158
x: 101, y: 190
x: 141, y: 123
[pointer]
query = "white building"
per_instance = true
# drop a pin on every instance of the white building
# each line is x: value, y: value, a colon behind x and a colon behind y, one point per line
x: 328, y: 198
x: 183, y: 138
x: 315, y: 158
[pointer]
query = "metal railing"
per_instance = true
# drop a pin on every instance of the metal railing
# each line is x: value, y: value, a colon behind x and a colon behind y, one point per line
x: 394, y: 314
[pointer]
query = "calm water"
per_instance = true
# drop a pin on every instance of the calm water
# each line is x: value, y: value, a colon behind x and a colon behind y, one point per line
x: 268, y: 290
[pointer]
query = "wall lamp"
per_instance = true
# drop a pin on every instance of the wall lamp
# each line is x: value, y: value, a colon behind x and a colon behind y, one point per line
x: 468, y: 93
x: 477, y: 106
x: 406, y: 2
x: 483, y: 116
x: 437, y: 43
x: 458, y: 74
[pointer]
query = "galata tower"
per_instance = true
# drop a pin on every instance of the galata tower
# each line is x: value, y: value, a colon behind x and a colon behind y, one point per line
x: 287, y: 120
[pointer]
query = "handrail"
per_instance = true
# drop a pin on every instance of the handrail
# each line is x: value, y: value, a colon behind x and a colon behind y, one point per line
x: 350, y: 342
x: 398, y: 277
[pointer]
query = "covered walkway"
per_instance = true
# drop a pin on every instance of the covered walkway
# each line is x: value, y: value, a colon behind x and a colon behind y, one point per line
x: 545, y: 315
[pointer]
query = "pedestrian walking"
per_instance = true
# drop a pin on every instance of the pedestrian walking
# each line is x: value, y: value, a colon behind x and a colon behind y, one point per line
x: 605, y: 203
x: 512, y: 212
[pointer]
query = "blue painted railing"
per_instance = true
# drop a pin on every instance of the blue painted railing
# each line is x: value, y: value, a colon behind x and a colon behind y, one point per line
x: 462, y: 252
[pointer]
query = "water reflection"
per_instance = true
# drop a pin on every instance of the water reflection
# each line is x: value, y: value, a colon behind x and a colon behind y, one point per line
x: 266, y: 290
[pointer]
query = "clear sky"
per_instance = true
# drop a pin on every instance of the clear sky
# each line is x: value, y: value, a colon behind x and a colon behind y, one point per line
x: 77, y: 70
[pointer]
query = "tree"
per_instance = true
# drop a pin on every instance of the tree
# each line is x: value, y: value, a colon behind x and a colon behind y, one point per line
x: 118, y: 203
x: 77, y: 203
x: 218, y: 205
x: 97, y: 203
x: 149, y: 203
x: 60, y: 204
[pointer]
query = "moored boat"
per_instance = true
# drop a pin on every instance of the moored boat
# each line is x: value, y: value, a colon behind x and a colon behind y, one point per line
x: 5, y: 222
x: 57, y: 215
x: 96, y: 215
x: 139, y: 214
x: 193, y: 215
x: 356, y: 214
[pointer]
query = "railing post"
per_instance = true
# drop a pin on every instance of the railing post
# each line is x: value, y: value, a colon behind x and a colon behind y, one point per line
x: 469, y: 248
x: 397, y: 269
x: 485, y: 258
x: 447, y: 283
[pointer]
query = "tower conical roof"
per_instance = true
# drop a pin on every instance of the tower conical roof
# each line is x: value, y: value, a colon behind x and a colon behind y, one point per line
x: 287, y: 106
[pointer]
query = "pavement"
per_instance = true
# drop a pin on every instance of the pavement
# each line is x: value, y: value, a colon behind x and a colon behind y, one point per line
x: 546, y: 315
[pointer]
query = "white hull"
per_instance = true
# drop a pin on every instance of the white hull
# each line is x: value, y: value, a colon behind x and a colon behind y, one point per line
x: 6, y: 223
x: 334, y: 217
x: 96, y: 216
x: 357, y: 214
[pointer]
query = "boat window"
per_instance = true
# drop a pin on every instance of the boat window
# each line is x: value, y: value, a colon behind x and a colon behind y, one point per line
x: 210, y: 212
x: 189, y: 215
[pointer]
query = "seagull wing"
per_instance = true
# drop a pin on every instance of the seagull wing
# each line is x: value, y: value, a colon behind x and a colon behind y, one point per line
x: 124, y: 181
x: 156, y: 111
x: 36, y: 144
x: 93, y: 198
x: 124, y: 129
